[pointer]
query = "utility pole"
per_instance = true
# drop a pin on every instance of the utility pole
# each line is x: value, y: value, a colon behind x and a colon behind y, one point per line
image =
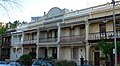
x: 114, y: 28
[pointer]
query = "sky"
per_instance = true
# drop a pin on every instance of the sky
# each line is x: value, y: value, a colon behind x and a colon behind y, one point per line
x: 32, y: 8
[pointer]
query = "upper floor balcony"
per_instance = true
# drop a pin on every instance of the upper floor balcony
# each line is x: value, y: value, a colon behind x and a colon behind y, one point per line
x: 31, y: 41
x: 30, y: 38
x: 6, y: 44
x: 16, y: 39
x: 48, y: 36
x: 72, y: 39
x: 109, y: 35
x: 6, y: 41
x: 50, y: 39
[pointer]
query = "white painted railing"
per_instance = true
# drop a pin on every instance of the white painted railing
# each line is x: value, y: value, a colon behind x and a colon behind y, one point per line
x: 78, y: 12
x: 30, y: 41
x: 107, y: 6
x: 16, y: 41
x: 29, y: 25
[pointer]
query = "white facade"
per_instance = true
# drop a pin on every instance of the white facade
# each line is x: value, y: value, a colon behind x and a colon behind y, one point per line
x: 61, y: 34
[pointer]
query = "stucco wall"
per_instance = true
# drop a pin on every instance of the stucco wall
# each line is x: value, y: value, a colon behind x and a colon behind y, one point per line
x: 81, y: 51
x: 66, y: 53
x: 65, y: 32
x: 98, y: 13
x: 109, y: 26
x: 15, y: 53
x: 91, y: 54
x: 76, y: 30
x: 94, y: 27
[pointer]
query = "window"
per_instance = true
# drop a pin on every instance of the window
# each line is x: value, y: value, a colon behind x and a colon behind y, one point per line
x: 118, y: 25
x: 19, y: 37
x: 43, y: 34
x: 82, y: 29
x: 75, y: 53
x: 50, y: 34
x: 56, y: 33
x: 34, y: 36
x: 102, y: 27
x: 3, y: 39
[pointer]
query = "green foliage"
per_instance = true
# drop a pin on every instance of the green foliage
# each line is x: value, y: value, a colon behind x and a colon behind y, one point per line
x: 25, y: 59
x: 14, y: 24
x: 0, y: 39
x: 108, y: 47
x: 66, y: 63
x: 105, y: 47
x: 2, y: 30
x: 118, y: 46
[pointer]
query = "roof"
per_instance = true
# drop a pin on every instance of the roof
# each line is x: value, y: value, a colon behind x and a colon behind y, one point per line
x: 35, y: 18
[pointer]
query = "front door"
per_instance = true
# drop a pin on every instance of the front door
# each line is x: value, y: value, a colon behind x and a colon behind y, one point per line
x: 54, y: 53
x: 96, y: 58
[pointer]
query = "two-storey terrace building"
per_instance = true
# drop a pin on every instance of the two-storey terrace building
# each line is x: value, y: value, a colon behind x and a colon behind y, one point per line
x: 5, y: 45
x: 64, y: 34
x: 101, y: 27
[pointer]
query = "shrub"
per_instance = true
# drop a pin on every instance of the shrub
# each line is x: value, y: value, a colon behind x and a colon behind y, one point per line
x: 25, y: 59
x: 71, y: 63
x: 66, y: 63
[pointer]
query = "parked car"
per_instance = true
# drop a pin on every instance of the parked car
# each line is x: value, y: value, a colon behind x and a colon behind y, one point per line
x: 41, y: 63
x: 86, y: 65
x: 14, y: 63
x: 3, y: 63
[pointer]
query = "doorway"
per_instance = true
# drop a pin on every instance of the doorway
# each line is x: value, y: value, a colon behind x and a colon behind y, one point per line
x: 96, y: 58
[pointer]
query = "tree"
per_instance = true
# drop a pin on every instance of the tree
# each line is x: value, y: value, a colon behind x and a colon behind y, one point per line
x: 107, y: 49
x: 25, y: 59
x: 14, y: 24
x: 2, y: 30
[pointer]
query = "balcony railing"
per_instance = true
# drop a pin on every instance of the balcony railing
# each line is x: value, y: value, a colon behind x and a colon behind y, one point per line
x: 51, y: 39
x: 107, y: 35
x: 5, y: 44
x: 74, y: 38
x: 30, y: 41
x: 16, y: 42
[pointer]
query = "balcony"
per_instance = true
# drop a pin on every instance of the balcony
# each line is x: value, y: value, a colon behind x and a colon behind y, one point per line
x: 50, y: 39
x: 14, y: 41
x: 78, y: 13
x: 108, y: 36
x: 6, y: 44
x: 33, y: 41
x: 72, y: 39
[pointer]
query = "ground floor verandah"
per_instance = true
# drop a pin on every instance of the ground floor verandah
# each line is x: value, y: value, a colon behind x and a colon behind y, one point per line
x: 61, y: 52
